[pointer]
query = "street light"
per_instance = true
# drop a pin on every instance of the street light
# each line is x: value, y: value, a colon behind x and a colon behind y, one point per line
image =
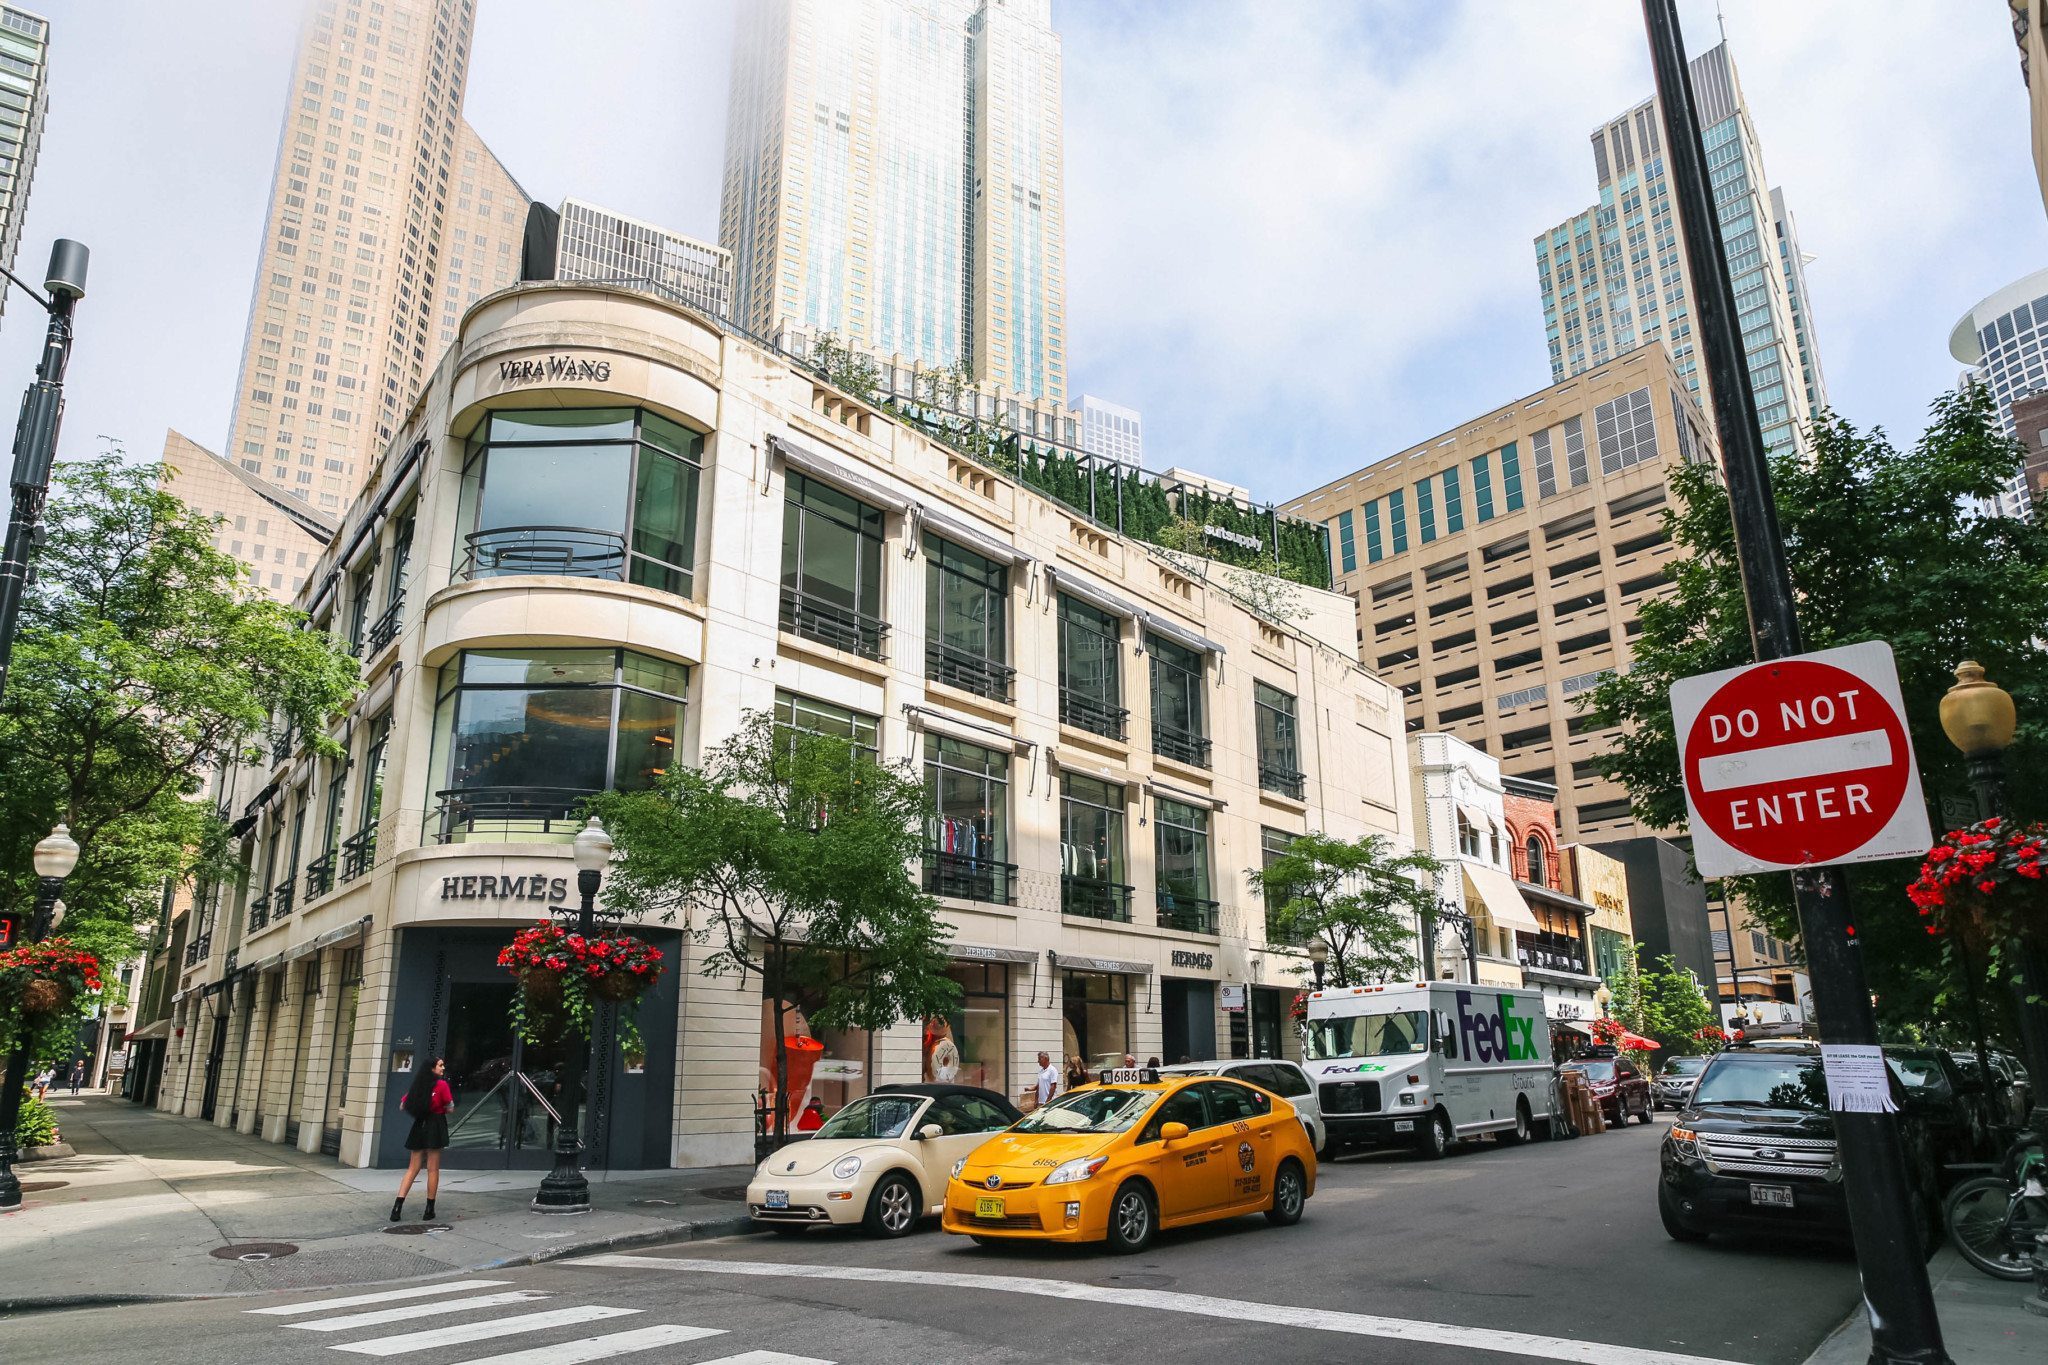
x: 564, y: 1189
x: 54, y: 858
x: 1318, y: 957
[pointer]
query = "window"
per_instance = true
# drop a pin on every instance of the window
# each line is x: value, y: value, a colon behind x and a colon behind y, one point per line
x: 1397, y: 520
x: 809, y: 717
x: 1575, y: 450
x: 522, y: 737
x: 1273, y: 846
x: 967, y: 831
x: 592, y: 493
x: 1454, y: 503
x: 1538, y: 864
x: 1375, y: 550
x: 966, y: 620
x: 1230, y: 1102
x: 1092, y: 881
x: 832, y: 568
x: 1470, y: 842
x: 1627, y: 432
x: 1179, y: 723
x: 1482, y: 488
x: 1279, y: 742
x: 1181, y: 867
x: 1347, y: 549
x: 1090, y: 685
x: 1510, y: 478
x: 1425, y: 508
x: 1546, y: 472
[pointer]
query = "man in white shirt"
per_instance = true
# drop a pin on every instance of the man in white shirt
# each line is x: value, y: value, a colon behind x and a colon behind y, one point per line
x: 1048, y: 1079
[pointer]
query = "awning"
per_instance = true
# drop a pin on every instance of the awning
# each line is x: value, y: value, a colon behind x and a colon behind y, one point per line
x: 1184, y: 796
x: 959, y: 727
x: 968, y: 538
x: 1173, y: 630
x: 832, y: 472
x: 1476, y: 817
x: 1571, y: 1024
x: 149, y: 1033
x: 1552, y: 896
x: 975, y: 952
x: 1078, y: 963
x: 1102, y: 599
x: 1497, y: 891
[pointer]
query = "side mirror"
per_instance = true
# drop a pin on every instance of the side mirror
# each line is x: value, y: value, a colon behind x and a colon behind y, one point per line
x: 930, y: 1131
x: 1172, y: 1132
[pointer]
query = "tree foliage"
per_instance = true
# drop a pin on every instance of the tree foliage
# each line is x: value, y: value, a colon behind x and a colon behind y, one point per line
x: 1360, y: 897
x: 144, y: 658
x: 1881, y: 544
x: 1675, y: 1008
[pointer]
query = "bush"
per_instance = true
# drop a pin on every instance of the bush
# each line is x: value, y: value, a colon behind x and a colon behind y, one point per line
x: 36, y: 1125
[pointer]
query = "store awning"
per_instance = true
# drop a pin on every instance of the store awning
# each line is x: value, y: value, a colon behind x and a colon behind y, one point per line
x: 1476, y: 817
x: 1078, y: 963
x: 827, y: 470
x: 150, y: 1032
x: 932, y: 522
x: 975, y: 952
x: 1102, y: 599
x: 1496, y: 890
x: 1573, y: 1025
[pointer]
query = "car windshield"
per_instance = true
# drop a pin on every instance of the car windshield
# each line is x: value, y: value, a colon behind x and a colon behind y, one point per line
x: 1104, y: 1109
x: 876, y: 1116
x: 1685, y: 1066
x: 1369, y: 1035
x: 1921, y: 1076
x: 1594, y: 1071
x: 1764, y: 1082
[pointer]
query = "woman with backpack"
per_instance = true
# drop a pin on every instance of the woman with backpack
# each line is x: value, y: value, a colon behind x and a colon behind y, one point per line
x: 428, y: 1101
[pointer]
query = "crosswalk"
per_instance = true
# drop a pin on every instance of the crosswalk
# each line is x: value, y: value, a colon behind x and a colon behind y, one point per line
x: 446, y: 1318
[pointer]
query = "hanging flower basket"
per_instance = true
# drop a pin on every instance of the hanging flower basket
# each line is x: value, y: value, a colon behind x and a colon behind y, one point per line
x: 43, y: 996
x: 562, y: 975
x: 46, y: 992
x: 1985, y: 881
x: 542, y: 988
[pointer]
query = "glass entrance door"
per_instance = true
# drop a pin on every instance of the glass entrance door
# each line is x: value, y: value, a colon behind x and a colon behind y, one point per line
x: 507, y: 1091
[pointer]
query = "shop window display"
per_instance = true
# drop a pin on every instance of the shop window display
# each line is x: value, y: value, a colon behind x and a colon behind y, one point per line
x: 971, y: 1046
x: 1097, y: 1018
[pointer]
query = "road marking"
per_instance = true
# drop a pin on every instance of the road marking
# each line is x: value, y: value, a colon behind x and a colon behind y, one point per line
x: 377, y: 1317
x: 388, y: 1296
x: 481, y: 1331
x: 1201, y: 1305
x: 767, y: 1358
x: 614, y: 1344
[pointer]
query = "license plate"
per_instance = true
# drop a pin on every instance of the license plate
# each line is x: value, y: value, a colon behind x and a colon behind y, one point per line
x: 778, y: 1199
x: 1404, y: 1125
x: 1771, y: 1196
x: 988, y: 1208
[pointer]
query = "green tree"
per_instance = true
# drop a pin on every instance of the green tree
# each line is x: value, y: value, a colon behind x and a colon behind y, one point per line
x: 145, y: 659
x: 1359, y: 896
x: 1675, y: 1008
x: 789, y: 853
x: 1881, y: 544
x: 846, y: 369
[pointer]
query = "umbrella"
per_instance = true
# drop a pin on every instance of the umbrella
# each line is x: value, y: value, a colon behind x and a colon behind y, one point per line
x: 1633, y: 1042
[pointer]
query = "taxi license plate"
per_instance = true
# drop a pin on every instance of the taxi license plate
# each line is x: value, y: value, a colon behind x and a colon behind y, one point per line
x: 988, y: 1208
x: 778, y: 1199
x: 1771, y: 1196
x: 1404, y: 1125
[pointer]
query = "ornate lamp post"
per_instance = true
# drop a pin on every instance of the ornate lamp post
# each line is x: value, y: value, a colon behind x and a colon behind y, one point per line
x: 55, y: 856
x: 1318, y: 958
x: 564, y: 1189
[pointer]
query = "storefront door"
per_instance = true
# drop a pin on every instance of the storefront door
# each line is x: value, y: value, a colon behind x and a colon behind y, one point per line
x: 1097, y: 1012
x: 216, y: 1053
x: 1268, y: 1010
x: 1188, y: 1020
x: 507, y: 1091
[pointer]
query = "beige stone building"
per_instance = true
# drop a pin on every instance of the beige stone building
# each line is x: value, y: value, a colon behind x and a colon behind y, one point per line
x: 1498, y: 568
x: 608, y: 528
x: 275, y: 536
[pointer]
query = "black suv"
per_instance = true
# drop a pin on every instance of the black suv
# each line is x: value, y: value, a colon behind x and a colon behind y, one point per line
x: 1754, y: 1151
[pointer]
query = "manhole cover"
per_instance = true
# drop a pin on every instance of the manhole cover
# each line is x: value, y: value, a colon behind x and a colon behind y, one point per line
x: 415, y: 1229
x: 643, y: 1203
x: 734, y: 1193
x: 31, y: 1186
x: 253, y: 1251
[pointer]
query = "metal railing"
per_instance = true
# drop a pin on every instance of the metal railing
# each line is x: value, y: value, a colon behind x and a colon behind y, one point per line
x: 259, y: 912
x: 197, y: 950
x: 1287, y: 782
x: 973, y: 879
x: 1189, y: 914
x: 319, y: 876
x: 358, y: 853
x: 968, y: 672
x: 230, y: 962
x: 1183, y: 746
x: 384, y: 629
x: 574, y: 551
x: 281, y: 897
x: 468, y: 813
x: 1552, y: 952
x: 1092, y: 898
x: 828, y: 623
x: 1086, y: 713
x: 281, y: 747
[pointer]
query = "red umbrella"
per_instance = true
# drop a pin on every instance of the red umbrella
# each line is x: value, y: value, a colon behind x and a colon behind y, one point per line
x: 1632, y: 1042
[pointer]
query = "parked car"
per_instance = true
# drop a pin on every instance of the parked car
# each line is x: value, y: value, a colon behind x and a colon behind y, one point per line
x: 1284, y: 1078
x: 1961, y: 1127
x: 1675, y: 1080
x: 1618, y: 1088
x: 2022, y: 1085
x: 1754, y: 1150
x: 880, y: 1162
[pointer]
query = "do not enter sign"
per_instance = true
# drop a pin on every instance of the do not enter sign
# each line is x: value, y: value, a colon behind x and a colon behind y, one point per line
x: 1799, y: 762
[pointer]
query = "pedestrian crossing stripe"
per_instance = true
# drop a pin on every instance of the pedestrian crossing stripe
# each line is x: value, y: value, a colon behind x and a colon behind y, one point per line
x: 378, y: 1316
x: 420, y: 1291
x: 481, y: 1331
x: 605, y: 1347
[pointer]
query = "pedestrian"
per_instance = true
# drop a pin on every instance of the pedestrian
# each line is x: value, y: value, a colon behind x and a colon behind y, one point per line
x: 1152, y: 1062
x: 428, y: 1101
x: 813, y: 1117
x: 1130, y: 1062
x: 43, y: 1079
x: 1048, y: 1079
x: 1077, y: 1074
x: 77, y: 1075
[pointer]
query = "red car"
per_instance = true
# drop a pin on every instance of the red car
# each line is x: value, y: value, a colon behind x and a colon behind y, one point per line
x: 1618, y: 1088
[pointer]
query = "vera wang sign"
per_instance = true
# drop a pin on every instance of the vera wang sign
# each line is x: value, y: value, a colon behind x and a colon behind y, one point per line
x: 554, y: 367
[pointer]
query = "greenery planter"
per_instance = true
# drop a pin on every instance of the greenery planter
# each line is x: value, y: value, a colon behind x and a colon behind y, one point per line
x: 562, y: 977
x: 43, y: 997
x: 619, y: 987
x: 46, y: 991
x: 542, y: 988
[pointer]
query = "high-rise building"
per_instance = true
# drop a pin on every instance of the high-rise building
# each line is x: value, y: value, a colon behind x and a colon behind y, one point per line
x: 24, y: 100
x: 596, y: 244
x: 277, y: 537
x: 1614, y: 277
x: 893, y: 176
x: 2032, y: 38
x: 2004, y: 342
x: 1111, y: 430
x: 387, y: 213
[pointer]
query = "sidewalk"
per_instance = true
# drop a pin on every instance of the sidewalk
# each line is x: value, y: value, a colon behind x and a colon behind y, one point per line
x: 1981, y: 1320
x: 148, y: 1198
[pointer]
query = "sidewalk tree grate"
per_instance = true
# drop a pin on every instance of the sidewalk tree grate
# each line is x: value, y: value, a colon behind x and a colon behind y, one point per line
x: 253, y: 1251
x: 415, y: 1229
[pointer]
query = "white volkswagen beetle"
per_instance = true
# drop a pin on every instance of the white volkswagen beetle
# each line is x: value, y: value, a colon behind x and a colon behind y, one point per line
x: 882, y: 1161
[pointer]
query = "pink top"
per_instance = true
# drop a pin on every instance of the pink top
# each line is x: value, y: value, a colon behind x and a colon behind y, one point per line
x: 444, y: 1098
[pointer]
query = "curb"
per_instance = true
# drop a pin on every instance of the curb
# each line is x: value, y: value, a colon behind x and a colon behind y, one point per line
x: 698, y: 1231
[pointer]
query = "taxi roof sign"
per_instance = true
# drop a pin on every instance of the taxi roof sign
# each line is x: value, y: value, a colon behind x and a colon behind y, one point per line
x: 1130, y: 1075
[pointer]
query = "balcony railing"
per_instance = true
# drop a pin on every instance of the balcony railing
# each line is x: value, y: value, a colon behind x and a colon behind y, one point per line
x: 1091, y: 898
x: 574, y: 551
x: 1286, y: 781
x: 1183, y: 746
x: 1283, y: 935
x: 971, y: 879
x: 197, y: 950
x: 1552, y: 952
x: 966, y: 671
x: 358, y: 853
x: 384, y: 629
x: 831, y: 624
x: 230, y: 962
x: 281, y: 897
x: 1188, y: 914
x: 466, y: 814
x: 319, y: 877
x: 281, y: 747
x: 259, y: 912
x: 1086, y: 713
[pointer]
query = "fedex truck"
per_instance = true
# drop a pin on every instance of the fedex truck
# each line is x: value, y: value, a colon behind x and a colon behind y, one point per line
x: 1424, y: 1064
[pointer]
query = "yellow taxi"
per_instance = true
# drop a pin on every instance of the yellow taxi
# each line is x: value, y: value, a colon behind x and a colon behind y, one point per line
x: 1117, y: 1161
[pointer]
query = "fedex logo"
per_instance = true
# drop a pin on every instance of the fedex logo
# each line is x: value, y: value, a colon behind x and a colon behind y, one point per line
x: 1496, y: 1035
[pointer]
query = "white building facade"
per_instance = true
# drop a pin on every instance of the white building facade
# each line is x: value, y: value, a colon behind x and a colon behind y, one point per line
x: 2003, y: 342
x: 1111, y: 430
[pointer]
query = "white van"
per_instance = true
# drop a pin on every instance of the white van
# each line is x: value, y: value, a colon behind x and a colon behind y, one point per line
x: 1421, y: 1065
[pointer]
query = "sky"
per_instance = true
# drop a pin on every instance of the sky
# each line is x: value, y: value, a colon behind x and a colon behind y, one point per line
x: 1298, y: 234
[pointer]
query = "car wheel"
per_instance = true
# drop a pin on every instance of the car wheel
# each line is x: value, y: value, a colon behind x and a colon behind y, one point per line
x: 1133, y: 1218
x: 1674, y: 1222
x: 893, y: 1207
x: 1290, y: 1194
x: 1437, y: 1138
x: 1520, y: 1132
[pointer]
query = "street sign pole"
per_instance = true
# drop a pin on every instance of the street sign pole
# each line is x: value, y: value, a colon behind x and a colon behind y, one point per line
x: 1887, y: 1230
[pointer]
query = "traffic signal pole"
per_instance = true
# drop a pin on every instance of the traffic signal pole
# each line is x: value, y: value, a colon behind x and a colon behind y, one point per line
x: 1888, y: 1228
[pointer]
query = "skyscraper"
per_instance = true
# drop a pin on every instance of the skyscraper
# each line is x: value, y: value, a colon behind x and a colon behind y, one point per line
x: 596, y: 244
x: 387, y: 214
x: 24, y: 99
x: 2004, y: 342
x: 893, y: 177
x: 1614, y: 276
x: 1111, y: 430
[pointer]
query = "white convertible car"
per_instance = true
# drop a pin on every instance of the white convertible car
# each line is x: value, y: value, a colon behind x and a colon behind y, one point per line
x: 882, y: 1161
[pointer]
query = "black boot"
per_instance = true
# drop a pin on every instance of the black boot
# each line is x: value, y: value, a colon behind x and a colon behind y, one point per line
x: 398, y: 1208
x: 428, y: 1216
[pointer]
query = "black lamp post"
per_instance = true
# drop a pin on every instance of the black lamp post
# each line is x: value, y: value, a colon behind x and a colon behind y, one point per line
x: 564, y: 1189
x: 1318, y: 957
x: 55, y: 856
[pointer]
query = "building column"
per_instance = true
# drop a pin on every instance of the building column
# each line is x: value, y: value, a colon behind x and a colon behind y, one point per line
x: 363, y: 1101
x: 283, y: 1056
x: 249, y: 1083
x: 312, y: 1113
x: 231, y: 1058
x: 718, y: 1062
x: 171, y: 1078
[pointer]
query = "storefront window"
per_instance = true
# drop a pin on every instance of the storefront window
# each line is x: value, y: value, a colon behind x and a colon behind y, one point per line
x: 810, y: 717
x: 594, y: 493
x: 1091, y: 689
x: 832, y: 568
x: 972, y: 1045
x: 966, y: 620
x: 1279, y: 744
x: 1096, y: 1012
x: 833, y: 1066
x: 1092, y: 880
x: 1180, y: 728
x: 522, y: 737
x: 966, y: 833
x: 1181, y: 840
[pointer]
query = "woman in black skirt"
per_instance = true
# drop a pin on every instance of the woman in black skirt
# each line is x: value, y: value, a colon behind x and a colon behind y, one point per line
x: 428, y: 1101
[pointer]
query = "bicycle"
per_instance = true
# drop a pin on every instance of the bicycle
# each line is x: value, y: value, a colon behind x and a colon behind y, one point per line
x: 1994, y: 1219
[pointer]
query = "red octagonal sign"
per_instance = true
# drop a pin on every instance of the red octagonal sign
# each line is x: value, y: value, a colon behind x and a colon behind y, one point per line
x: 1799, y: 762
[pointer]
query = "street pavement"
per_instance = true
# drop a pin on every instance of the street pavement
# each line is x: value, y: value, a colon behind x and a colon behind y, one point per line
x: 1547, y: 1251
